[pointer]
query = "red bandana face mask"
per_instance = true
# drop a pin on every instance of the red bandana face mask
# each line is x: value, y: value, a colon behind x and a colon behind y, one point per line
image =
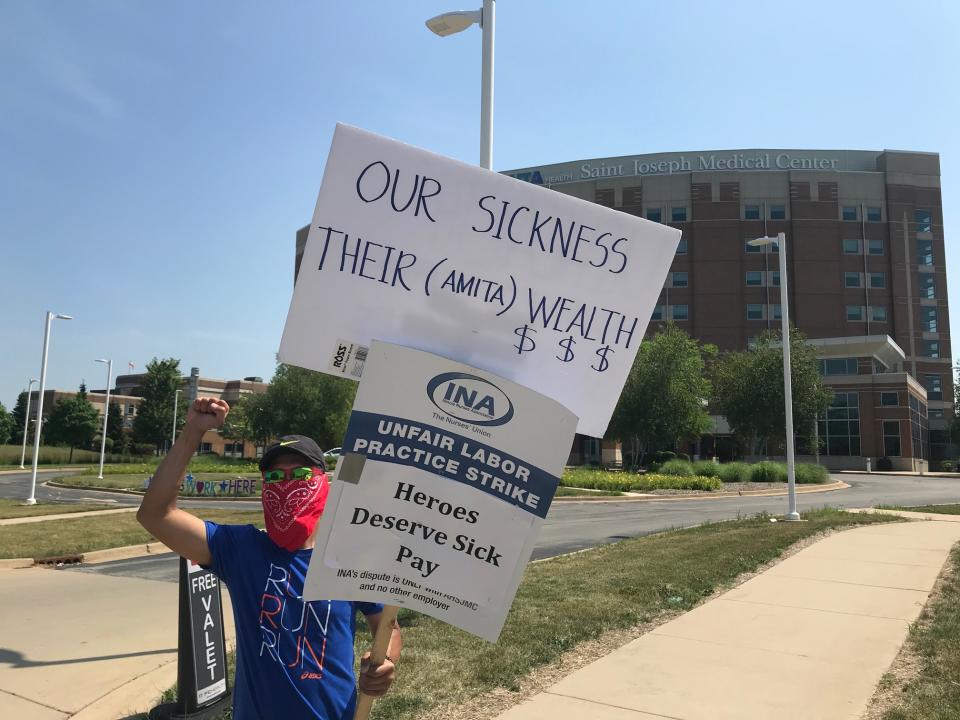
x: 292, y: 508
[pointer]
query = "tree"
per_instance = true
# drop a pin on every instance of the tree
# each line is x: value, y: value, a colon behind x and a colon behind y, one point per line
x: 663, y: 400
x: 237, y: 425
x: 19, y: 414
x: 303, y: 402
x: 154, y: 421
x: 73, y: 422
x: 6, y: 425
x: 117, y: 436
x: 748, y: 387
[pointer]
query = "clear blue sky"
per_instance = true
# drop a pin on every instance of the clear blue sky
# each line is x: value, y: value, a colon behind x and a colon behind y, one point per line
x: 157, y: 158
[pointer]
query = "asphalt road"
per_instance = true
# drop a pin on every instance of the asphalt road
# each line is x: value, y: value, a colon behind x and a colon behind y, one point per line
x: 575, y: 525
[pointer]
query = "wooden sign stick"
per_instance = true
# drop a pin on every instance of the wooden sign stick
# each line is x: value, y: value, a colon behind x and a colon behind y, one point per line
x: 381, y: 642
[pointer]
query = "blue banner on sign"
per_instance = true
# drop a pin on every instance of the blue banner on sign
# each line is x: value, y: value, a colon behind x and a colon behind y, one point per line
x: 405, y: 442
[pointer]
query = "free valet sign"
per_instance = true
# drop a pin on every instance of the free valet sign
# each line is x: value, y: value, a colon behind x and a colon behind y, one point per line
x: 447, y: 475
x: 547, y: 290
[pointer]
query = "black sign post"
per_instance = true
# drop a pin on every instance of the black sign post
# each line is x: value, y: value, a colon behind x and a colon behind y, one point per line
x: 202, y: 690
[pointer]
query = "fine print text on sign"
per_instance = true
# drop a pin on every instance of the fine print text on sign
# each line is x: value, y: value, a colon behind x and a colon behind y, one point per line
x: 413, y: 248
x: 447, y: 475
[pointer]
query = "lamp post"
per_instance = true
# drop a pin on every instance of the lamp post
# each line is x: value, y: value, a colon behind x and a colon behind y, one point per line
x: 26, y: 425
x: 32, y: 500
x: 454, y: 22
x: 173, y: 435
x: 106, y: 410
x: 781, y: 242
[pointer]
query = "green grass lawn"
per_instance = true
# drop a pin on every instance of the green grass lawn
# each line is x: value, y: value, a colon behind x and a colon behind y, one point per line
x: 939, y: 509
x: 16, y: 508
x: 79, y: 535
x: 934, y: 694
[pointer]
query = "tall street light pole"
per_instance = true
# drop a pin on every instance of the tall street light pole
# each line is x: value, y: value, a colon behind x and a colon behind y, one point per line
x: 106, y: 411
x: 26, y: 425
x: 454, y: 22
x: 173, y: 435
x: 781, y: 242
x: 32, y: 500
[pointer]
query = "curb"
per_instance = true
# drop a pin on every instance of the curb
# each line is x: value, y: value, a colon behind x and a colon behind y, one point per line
x: 902, y: 473
x: 907, y: 514
x: 801, y: 490
x: 40, y: 470
x: 16, y: 563
x: 94, y: 557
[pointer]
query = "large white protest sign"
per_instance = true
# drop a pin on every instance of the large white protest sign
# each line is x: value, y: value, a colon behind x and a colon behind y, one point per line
x: 446, y: 476
x: 410, y: 247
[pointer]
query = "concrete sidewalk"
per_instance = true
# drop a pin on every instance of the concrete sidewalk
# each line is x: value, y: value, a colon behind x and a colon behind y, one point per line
x: 92, y: 647
x: 64, y: 516
x: 809, y: 638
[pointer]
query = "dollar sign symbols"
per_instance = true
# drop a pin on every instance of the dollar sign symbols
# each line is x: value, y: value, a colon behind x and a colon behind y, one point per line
x: 567, y: 344
x: 603, y: 363
x: 526, y: 343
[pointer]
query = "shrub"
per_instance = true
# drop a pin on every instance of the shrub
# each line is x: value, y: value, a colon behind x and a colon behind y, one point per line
x: 681, y: 468
x: 735, y: 472
x: 768, y: 472
x: 947, y: 465
x: 143, y: 449
x: 683, y: 456
x: 706, y: 468
x: 811, y: 474
x: 630, y: 482
x: 884, y: 464
x: 657, y: 458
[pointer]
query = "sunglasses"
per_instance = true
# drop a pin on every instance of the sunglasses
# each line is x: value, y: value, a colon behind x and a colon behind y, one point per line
x: 300, y: 473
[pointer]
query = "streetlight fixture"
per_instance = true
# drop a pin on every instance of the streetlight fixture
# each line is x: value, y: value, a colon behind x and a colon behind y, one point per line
x: 458, y: 21
x: 106, y: 410
x: 32, y: 500
x: 781, y: 243
x: 173, y: 435
x: 26, y: 425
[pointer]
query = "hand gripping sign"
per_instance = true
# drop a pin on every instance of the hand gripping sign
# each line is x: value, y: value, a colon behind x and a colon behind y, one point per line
x: 446, y: 476
x: 547, y: 290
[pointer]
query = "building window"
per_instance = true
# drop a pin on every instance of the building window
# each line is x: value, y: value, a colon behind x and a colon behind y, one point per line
x: 878, y: 280
x: 938, y: 413
x: 657, y: 313
x: 206, y: 447
x: 874, y: 214
x: 852, y: 280
x: 925, y: 252
x: 855, y: 313
x: 838, y: 366
x: 934, y: 387
x: 928, y: 319
x: 754, y: 312
x: 875, y: 247
x: 775, y: 278
x: 849, y: 212
x: 682, y: 246
x: 778, y: 212
x: 924, y: 220
x: 655, y: 214
x: 680, y: 312
x: 840, y: 429
x: 752, y: 248
x: 928, y: 288
x: 919, y: 429
x: 889, y: 399
x: 878, y: 313
x: 679, y: 279
x: 930, y: 348
x: 751, y: 212
x: 891, y: 438
x: 678, y: 214
x: 777, y: 313
x: 754, y: 278
x: 851, y: 246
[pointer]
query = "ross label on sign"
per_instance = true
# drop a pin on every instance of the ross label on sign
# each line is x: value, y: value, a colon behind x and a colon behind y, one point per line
x: 206, y: 625
x: 544, y: 289
x: 447, y: 474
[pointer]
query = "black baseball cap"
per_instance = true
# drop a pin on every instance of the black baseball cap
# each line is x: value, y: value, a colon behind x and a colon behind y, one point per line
x: 300, y: 444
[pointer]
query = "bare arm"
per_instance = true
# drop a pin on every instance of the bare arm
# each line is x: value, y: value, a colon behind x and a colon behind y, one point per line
x: 180, y: 531
x: 375, y: 681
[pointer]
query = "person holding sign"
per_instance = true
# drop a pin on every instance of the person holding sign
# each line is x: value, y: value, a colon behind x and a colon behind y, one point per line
x: 294, y: 657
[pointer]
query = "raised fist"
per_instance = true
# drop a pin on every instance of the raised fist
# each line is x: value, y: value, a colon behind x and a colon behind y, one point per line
x: 207, y: 413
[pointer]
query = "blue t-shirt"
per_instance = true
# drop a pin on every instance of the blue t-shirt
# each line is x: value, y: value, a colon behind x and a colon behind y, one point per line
x: 294, y: 658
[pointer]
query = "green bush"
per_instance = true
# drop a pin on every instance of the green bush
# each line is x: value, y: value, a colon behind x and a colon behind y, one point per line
x: 706, y: 468
x: 810, y: 474
x: 681, y: 468
x: 629, y: 482
x: 735, y: 472
x: 768, y: 472
x: 947, y: 465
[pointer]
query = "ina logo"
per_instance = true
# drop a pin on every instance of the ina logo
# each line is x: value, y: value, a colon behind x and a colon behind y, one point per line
x: 470, y: 398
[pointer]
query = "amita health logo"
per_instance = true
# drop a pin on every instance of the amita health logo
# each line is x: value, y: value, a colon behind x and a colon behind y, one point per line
x: 470, y: 399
